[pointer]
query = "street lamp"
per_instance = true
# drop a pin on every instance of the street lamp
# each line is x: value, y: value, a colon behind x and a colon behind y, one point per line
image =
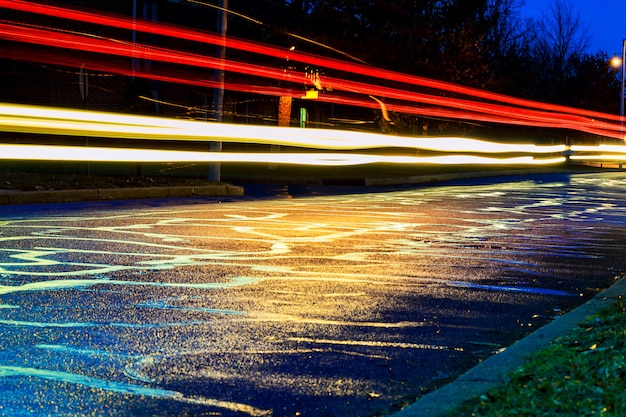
x: 621, y: 103
x: 617, y: 63
x: 621, y: 93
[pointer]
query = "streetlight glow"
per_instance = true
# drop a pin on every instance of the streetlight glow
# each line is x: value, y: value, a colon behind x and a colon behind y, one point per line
x: 616, y: 62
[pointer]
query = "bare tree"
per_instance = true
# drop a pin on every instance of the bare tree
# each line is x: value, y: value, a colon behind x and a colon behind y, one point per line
x: 505, y: 32
x: 561, y: 36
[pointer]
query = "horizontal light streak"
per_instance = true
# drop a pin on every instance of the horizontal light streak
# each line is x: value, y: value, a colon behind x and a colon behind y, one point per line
x: 187, y: 79
x: 602, y: 152
x: 474, y: 110
x: 491, y: 112
x: 599, y: 157
x: 600, y: 148
x: 172, y: 76
x: 107, y: 125
x: 127, y: 49
x: 49, y: 120
x: 97, y: 154
x: 101, y: 18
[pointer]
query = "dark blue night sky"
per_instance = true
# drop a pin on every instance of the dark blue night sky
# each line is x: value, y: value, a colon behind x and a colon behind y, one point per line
x: 606, y: 20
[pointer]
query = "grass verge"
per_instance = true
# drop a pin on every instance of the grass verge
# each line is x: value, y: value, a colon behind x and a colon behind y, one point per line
x: 32, y: 181
x: 580, y: 374
x: 50, y: 179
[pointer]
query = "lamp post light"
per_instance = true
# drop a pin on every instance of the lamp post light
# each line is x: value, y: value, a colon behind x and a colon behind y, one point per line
x: 620, y: 63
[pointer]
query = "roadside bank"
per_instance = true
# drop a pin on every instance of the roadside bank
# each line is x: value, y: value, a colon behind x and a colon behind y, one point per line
x: 480, y: 385
x: 31, y: 187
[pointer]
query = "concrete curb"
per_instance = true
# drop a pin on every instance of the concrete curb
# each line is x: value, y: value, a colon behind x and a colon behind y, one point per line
x: 34, y: 197
x: 492, y: 372
x: 12, y: 197
x: 425, y: 179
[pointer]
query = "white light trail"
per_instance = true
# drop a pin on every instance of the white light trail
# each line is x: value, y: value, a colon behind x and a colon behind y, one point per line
x: 46, y: 120
x: 98, y: 154
x: 599, y: 157
x: 600, y: 148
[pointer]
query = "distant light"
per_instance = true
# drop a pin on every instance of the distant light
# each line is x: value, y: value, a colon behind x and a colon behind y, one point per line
x: 616, y: 149
x: 616, y: 62
x: 311, y: 94
x: 599, y: 157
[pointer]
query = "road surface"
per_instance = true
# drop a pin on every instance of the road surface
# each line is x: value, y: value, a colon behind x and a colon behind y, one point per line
x: 328, y: 305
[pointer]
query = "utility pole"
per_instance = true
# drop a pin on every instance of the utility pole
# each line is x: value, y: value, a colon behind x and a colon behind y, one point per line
x: 621, y: 97
x: 218, y: 93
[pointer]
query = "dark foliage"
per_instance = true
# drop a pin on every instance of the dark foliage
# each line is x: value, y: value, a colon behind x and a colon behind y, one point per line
x: 479, y: 43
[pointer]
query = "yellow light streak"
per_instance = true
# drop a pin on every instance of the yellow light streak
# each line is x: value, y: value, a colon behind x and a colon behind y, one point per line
x: 100, y: 154
x: 47, y: 120
x: 452, y: 144
x: 600, y: 148
x: 599, y: 157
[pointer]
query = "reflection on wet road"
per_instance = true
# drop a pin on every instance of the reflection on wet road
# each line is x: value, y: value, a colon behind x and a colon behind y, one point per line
x: 314, y: 306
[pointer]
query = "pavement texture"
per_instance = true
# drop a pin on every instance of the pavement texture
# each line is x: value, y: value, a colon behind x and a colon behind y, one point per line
x: 493, y: 371
x: 478, y: 380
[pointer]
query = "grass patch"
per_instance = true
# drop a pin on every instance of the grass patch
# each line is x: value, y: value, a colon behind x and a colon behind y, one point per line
x: 32, y: 181
x: 310, y: 173
x: 580, y: 374
x: 52, y: 177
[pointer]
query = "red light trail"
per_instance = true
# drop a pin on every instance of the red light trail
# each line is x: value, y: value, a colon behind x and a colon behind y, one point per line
x: 244, y: 45
x: 489, y: 107
x: 212, y: 38
x: 509, y: 117
x: 490, y: 112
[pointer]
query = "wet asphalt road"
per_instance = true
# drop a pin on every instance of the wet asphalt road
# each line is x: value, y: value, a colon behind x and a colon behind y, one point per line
x: 298, y: 305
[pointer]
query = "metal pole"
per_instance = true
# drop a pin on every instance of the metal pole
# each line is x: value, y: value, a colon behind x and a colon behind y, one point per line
x: 621, y: 103
x: 218, y: 93
x: 134, y: 39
